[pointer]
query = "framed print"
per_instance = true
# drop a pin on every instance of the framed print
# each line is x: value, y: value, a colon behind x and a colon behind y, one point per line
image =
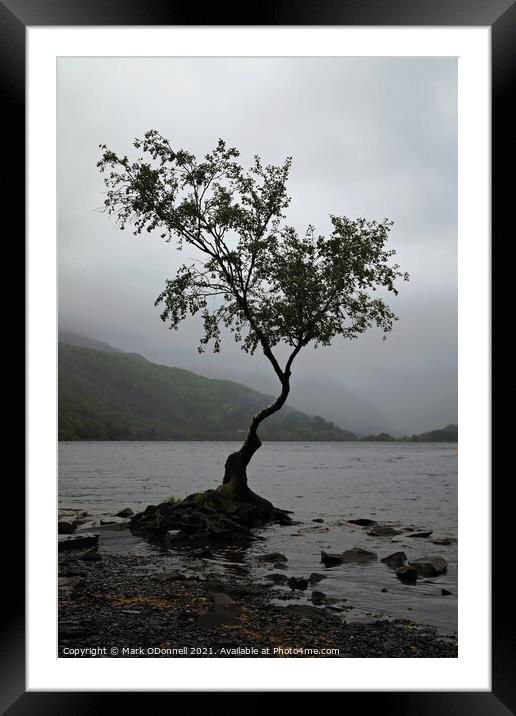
x: 258, y: 291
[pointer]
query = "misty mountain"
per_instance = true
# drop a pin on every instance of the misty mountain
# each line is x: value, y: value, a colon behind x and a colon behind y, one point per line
x: 74, y: 339
x: 322, y: 396
x: 110, y: 395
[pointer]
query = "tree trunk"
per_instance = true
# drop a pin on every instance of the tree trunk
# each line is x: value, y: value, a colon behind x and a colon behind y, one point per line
x: 235, y: 473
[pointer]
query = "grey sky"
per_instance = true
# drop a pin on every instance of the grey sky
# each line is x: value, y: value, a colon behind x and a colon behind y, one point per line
x: 373, y: 137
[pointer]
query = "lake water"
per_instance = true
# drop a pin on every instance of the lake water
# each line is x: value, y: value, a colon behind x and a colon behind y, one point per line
x: 409, y: 484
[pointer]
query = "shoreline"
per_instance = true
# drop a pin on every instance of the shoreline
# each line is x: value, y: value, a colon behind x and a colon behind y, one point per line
x: 138, y: 604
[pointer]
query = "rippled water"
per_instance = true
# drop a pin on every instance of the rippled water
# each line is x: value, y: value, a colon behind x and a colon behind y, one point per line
x: 409, y: 484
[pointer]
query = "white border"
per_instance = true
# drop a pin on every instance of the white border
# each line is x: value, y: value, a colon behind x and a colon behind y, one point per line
x: 471, y: 670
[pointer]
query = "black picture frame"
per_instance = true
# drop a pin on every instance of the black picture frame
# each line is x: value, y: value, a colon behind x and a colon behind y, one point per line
x: 15, y: 17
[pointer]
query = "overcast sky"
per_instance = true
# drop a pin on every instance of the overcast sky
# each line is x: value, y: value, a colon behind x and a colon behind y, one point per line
x: 372, y: 137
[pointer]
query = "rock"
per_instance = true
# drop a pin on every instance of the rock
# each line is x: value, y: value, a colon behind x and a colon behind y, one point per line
x: 442, y: 540
x: 318, y: 598
x: 429, y: 566
x: 297, y: 583
x: 222, y: 600
x: 445, y: 593
x: 363, y: 522
x: 280, y: 565
x: 82, y: 541
x: 331, y: 560
x: 383, y: 531
x: 407, y: 575
x: 126, y: 512
x: 277, y: 578
x: 103, y: 523
x: 420, y: 534
x: 357, y: 554
x: 272, y: 557
x: 318, y: 519
x: 217, y: 616
x: 91, y: 555
x: 65, y: 528
x: 207, y: 516
x: 396, y: 560
x: 384, y: 590
x: 314, y: 578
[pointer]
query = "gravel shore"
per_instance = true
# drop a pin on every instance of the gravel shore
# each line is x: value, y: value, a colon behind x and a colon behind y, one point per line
x: 135, y: 606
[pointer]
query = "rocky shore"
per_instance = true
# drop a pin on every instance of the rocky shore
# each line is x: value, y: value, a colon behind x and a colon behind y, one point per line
x: 128, y: 605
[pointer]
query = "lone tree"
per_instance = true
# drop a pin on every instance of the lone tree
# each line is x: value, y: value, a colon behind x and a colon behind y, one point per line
x: 269, y: 285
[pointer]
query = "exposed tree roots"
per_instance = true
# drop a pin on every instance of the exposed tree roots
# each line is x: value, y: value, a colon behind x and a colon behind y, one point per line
x: 221, y: 515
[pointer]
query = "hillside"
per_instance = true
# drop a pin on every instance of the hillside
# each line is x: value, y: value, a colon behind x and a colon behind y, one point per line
x: 449, y: 434
x: 110, y: 395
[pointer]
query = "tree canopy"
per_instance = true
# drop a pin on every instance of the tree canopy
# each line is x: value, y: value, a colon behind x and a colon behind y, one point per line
x: 254, y: 274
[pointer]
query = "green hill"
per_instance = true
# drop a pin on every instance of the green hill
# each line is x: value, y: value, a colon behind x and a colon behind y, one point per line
x: 111, y: 395
x: 449, y: 434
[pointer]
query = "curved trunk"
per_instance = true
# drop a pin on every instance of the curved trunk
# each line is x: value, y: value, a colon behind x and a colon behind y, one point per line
x: 235, y: 473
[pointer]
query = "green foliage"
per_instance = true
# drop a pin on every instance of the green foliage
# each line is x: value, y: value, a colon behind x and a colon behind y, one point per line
x: 120, y: 396
x: 171, y: 500
x: 256, y: 276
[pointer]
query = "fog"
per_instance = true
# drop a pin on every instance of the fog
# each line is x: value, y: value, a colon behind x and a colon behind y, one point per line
x: 372, y: 137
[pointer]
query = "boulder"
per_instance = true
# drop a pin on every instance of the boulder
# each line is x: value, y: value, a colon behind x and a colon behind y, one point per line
x: 363, y: 522
x: 423, y: 533
x: 445, y: 593
x: 314, y: 578
x: 442, y: 540
x: 126, y: 512
x: 383, y: 531
x: 297, y: 583
x: 407, y: 575
x: 208, y: 516
x: 220, y: 599
x: 318, y: 598
x: 218, y: 616
x: 64, y: 527
x: 395, y: 560
x: 429, y: 566
x: 318, y: 519
x: 357, y: 554
x: 277, y: 578
x: 330, y: 560
x: 79, y: 541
